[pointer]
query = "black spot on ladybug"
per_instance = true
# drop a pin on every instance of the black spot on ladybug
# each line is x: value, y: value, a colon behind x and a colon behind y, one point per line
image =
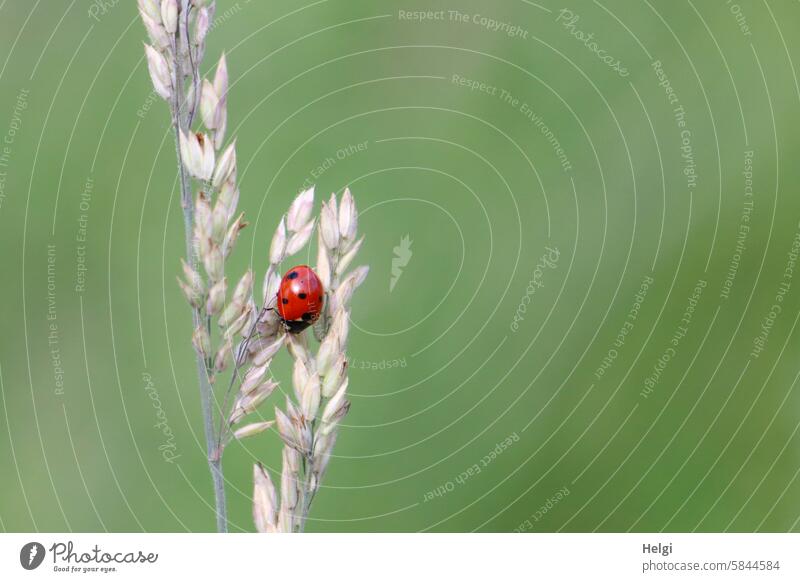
x: 320, y: 297
x: 285, y: 301
x: 306, y: 316
x: 292, y: 275
x: 301, y: 295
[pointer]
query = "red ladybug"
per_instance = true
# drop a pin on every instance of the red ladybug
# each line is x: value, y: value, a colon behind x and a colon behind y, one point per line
x: 300, y: 298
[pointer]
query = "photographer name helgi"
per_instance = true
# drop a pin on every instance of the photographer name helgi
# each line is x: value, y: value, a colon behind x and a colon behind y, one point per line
x: 68, y: 559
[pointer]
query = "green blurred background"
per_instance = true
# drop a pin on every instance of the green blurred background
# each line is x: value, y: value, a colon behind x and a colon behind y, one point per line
x: 478, y: 341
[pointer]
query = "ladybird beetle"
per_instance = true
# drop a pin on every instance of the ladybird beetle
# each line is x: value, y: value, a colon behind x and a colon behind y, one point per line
x: 300, y: 298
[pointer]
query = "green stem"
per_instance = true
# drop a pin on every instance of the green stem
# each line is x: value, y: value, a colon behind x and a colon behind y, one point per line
x: 206, y: 392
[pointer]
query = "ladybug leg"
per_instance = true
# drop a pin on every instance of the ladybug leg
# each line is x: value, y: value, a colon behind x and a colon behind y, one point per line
x: 284, y: 324
x: 270, y: 306
x: 271, y: 303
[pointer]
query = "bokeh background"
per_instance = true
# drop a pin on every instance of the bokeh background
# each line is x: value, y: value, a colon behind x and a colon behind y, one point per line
x: 589, y: 281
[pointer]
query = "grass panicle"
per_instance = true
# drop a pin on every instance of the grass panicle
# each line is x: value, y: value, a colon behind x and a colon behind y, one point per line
x: 231, y: 330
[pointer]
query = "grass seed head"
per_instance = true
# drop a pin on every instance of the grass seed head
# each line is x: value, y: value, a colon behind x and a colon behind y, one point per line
x: 300, y: 210
x: 169, y: 15
x: 159, y: 72
x: 265, y: 500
